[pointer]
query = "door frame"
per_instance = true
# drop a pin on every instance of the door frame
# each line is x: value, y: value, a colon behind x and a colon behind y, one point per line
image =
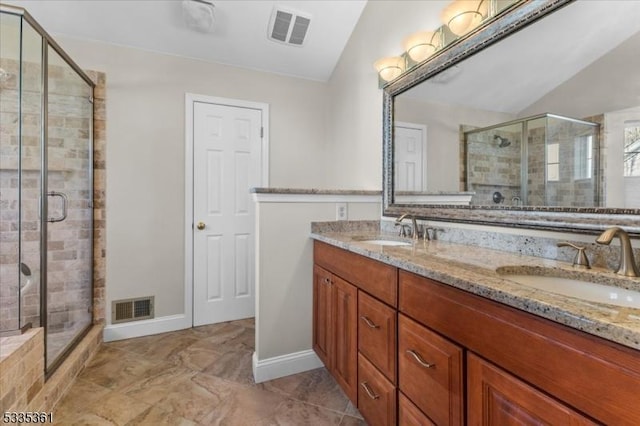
x: 190, y: 99
x: 423, y: 128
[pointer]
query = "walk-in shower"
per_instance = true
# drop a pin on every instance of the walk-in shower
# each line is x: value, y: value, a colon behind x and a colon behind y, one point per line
x: 544, y: 160
x: 46, y: 187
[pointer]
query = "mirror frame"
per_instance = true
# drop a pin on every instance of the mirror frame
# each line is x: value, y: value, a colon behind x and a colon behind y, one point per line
x: 588, y: 220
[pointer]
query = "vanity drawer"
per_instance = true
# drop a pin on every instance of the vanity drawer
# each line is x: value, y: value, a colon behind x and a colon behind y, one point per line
x: 377, y: 334
x: 376, y: 278
x: 430, y: 372
x: 409, y: 414
x: 376, y: 395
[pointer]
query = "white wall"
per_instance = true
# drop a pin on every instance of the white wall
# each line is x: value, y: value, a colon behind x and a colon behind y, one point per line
x: 145, y: 155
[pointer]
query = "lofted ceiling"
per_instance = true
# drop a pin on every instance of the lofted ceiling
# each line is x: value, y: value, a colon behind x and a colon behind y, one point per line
x: 519, y: 70
x: 238, y: 38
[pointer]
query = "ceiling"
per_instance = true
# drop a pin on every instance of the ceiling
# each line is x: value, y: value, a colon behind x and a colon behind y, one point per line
x: 515, y: 73
x: 239, y: 36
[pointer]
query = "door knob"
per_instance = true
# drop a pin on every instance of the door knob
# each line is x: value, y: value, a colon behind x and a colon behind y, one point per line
x: 201, y: 226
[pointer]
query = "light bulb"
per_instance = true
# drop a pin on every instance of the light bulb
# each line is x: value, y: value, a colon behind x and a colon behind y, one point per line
x: 421, y: 45
x: 389, y: 68
x: 462, y: 16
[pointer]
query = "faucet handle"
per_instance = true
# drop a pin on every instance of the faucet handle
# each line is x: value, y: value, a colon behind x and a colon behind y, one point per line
x: 403, y: 228
x: 580, y: 260
x: 426, y: 235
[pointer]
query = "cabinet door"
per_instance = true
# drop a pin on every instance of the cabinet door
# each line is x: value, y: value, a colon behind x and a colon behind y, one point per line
x: 497, y: 398
x: 344, y: 310
x: 322, y: 335
x: 377, y: 334
x: 376, y: 395
x: 430, y: 372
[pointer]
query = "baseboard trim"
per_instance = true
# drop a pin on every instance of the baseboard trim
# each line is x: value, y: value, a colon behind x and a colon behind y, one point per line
x: 146, y: 327
x: 284, y: 365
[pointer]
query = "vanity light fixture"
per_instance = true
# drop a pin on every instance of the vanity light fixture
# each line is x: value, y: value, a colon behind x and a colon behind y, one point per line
x: 389, y: 68
x: 419, y: 46
x: 462, y: 16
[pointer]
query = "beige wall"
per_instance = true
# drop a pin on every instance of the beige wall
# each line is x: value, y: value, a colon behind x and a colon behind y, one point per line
x: 145, y: 153
x: 355, y: 138
x: 284, y: 283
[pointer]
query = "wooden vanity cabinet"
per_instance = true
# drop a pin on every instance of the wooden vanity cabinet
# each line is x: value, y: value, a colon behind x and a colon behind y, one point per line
x: 322, y: 320
x: 590, y: 378
x: 430, y: 370
x: 376, y: 396
x: 377, y: 334
x: 409, y: 414
x: 376, y: 278
x: 498, y: 398
x: 355, y: 334
x: 335, y: 304
x: 459, y: 358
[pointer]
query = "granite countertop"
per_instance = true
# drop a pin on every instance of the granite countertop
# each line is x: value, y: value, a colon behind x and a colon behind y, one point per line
x: 474, y: 269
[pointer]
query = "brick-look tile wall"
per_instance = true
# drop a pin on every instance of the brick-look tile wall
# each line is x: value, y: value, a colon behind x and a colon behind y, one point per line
x: 21, y: 369
x: 69, y: 112
x: 22, y: 384
x: 491, y: 168
x: 99, y: 195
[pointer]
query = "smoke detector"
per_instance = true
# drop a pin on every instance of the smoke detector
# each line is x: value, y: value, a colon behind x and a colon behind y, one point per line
x: 198, y: 15
x: 288, y: 26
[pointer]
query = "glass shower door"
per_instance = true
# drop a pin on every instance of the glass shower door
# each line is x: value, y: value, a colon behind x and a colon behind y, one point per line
x: 69, y: 207
x: 20, y: 173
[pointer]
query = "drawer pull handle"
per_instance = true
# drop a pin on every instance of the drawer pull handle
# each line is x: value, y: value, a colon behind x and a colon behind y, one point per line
x: 418, y: 358
x: 327, y: 280
x: 368, y: 390
x: 369, y: 322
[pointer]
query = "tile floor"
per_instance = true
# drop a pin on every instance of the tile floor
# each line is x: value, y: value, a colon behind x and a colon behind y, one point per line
x: 200, y: 376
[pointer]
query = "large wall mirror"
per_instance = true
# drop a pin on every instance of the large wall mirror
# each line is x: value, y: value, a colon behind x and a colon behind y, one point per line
x: 533, y: 120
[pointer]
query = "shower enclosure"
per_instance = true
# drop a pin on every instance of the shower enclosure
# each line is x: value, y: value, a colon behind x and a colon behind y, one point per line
x: 544, y: 160
x: 46, y: 187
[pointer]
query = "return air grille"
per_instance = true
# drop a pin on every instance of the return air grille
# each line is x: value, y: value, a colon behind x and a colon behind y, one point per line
x: 126, y: 310
x: 288, y: 27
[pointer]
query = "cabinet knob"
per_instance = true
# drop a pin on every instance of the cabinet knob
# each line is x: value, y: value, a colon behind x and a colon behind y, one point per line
x: 369, y: 391
x: 327, y: 280
x: 201, y: 226
x: 419, y: 359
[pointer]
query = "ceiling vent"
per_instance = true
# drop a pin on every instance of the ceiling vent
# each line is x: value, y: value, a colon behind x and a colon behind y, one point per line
x: 288, y: 27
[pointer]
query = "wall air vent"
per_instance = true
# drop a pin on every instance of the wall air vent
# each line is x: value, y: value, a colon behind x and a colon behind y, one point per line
x: 288, y: 27
x: 126, y: 310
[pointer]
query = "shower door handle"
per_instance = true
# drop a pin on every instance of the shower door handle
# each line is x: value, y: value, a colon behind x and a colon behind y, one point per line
x: 64, y: 206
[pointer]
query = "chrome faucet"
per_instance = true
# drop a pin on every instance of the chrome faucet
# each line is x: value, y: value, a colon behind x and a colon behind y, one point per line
x: 628, y: 266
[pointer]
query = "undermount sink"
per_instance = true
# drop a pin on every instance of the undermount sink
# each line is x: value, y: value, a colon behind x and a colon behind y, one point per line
x: 386, y: 242
x: 579, y: 289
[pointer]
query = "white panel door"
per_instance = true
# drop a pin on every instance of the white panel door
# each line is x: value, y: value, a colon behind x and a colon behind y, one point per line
x: 409, y: 158
x: 226, y: 164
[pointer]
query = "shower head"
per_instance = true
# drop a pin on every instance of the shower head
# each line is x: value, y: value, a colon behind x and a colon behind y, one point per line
x: 502, y: 142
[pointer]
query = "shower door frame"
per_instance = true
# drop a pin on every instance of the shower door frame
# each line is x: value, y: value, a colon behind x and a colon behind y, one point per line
x: 48, y: 41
